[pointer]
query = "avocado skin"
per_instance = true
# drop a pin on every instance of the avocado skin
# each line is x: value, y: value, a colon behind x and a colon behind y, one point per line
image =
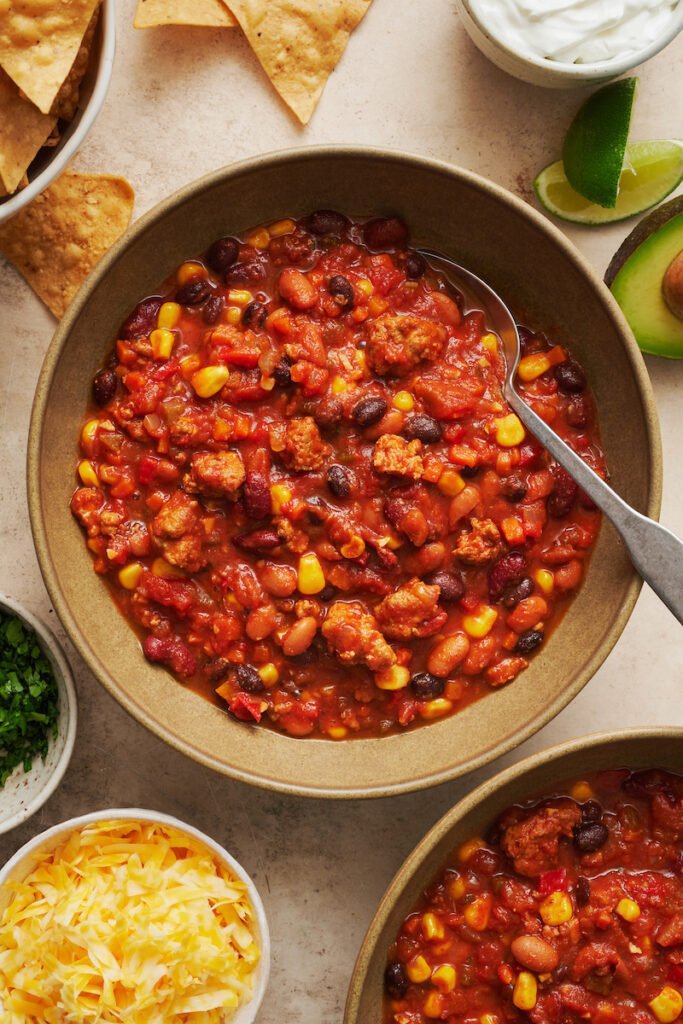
x: 643, y: 229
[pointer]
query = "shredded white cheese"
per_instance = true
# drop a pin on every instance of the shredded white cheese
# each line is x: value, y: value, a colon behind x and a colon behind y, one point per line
x: 126, y: 922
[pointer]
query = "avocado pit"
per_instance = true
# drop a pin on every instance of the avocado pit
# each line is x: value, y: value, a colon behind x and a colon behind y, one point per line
x: 672, y: 285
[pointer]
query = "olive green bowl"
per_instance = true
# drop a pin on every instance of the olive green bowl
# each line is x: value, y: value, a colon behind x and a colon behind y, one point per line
x: 534, y: 268
x: 473, y: 816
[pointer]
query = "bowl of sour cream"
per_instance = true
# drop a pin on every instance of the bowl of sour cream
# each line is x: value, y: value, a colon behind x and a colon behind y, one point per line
x: 560, y: 43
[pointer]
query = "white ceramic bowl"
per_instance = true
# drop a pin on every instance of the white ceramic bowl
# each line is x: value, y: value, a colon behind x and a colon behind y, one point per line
x: 24, y: 860
x: 51, y: 162
x: 552, y: 73
x: 24, y: 792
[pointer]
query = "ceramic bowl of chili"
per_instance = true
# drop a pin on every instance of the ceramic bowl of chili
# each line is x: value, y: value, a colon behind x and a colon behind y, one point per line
x: 449, y: 210
x: 552, y: 892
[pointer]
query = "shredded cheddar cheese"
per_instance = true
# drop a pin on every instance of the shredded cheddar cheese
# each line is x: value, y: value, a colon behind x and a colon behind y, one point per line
x: 129, y: 922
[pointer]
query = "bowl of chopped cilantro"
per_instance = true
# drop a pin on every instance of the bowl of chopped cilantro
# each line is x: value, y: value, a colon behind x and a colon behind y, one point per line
x: 37, y: 714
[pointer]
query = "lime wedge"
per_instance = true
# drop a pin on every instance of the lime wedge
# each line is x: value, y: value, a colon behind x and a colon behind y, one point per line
x: 593, y: 149
x: 651, y: 171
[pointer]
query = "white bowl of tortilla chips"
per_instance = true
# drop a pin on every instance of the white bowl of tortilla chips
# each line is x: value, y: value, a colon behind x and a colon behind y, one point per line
x: 53, y: 80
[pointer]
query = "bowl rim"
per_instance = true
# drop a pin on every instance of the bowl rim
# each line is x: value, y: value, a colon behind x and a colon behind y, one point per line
x: 584, y: 73
x: 12, y: 204
x: 461, y: 808
x: 141, y: 814
x: 43, y: 387
x: 68, y: 706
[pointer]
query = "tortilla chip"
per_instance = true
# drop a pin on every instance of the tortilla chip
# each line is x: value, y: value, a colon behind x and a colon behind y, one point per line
x: 58, y: 238
x: 23, y: 130
x: 66, y: 101
x: 151, y: 13
x: 39, y: 41
x: 298, y: 43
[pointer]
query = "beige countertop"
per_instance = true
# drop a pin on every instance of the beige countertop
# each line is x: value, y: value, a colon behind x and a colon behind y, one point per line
x: 183, y: 102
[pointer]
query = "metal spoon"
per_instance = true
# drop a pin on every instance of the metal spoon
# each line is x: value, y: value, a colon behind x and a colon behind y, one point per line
x: 656, y: 552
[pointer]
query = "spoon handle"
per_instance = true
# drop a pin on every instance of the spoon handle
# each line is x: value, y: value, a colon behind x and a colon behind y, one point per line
x: 655, y: 551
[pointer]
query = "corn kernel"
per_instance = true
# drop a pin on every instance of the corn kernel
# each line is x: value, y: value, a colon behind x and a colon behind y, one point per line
x: 354, y: 548
x: 337, y: 732
x: 376, y: 306
x: 545, y: 580
x: 457, y: 888
x: 468, y: 849
x: 667, y: 1005
x: 435, y: 708
x: 450, y: 483
x: 187, y: 271
x: 532, y: 366
x: 432, y: 927
x: 556, y: 908
x: 418, y: 970
x: 259, y: 239
x: 160, y: 567
x: 209, y: 380
x: 339, y: 385
x: 490, y: 343
x: 396, y: 677
x: 509, y: 431
x: 267, y: 383
x: 240, y: 296
x: 281, y: 227
x: 581, y: 791
x: 432, y: 1006
x: 129, y: 576
x: 169, y: 315
x: 361, y: 360
x: 403, y: 400
x: 365, y: 287
x: 479, y: 624
x: 477, y: 913
x: 489, y: 1018
x: 311, y: 575
x: 162, y: 342
x: 87, y: 473
x: 524, y: 992
x: 280, y: 494
x: 269, y: 674
x: 89, y: 431
x: 444, y: 977
x: 188, y: 364
x: 233, y: 315
x: 628, y: 909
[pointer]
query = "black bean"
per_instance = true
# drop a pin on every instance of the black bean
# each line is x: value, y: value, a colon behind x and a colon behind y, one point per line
x: 524, y: 589
x: 248, y: 679
x: 193, y: 293
x: 222, y: 254
x: 514, y: 488
x: 255, y: 315
x: 451, y: 586
x: 468, y: 471
x: 338, y: 481
x: 217, y: 669
x: 104, y: 386
x: 415, y: 265
x: 385, y: 233
x: 424, y: 428
x: 528, y: 641
x: 327, y: 593
x: 341, y: 291
x: 282, y: 372
x: 142, y: 320
x: 590, y: 836
x: 582, y: 891
x: 325, y: 222
x: 570, y: 377
x: 212, y: 310
x: 396, y: 980
x: 245, y: 274
x: 369, y: 411
x: 591, y: 810
x: 425, y: 686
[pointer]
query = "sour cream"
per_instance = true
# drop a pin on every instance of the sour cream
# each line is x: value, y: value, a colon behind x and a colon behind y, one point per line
x: 575, y: 31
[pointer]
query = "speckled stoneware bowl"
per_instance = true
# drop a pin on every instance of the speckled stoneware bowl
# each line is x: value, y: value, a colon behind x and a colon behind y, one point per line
x: 651, y: 748
x: 534, y: 268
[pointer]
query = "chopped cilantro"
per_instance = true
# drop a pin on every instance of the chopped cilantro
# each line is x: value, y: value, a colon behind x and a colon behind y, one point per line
x: 28, y: 697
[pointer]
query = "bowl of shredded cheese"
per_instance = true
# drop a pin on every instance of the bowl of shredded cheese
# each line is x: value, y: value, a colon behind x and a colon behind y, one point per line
x: 129, y: 915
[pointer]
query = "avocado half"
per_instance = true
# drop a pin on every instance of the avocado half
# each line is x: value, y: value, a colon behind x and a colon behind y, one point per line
x: 635, y: 277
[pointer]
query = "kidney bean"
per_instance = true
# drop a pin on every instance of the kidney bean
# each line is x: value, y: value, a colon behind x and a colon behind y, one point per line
x: 338, y: 481
x: 212, y: 310
x: 257, y: 540
x: 385, y: 233
x: 296, y: 289
x: 369, y: 411
x: 506, y: 570
x: 248, y: 679
x: 590, y: 836
x: 524, y: 588
x: 299, y: 637
x: 142, y: 320
x: 451, y: 585
x: 278, y: 580
x: 295, y: 247
x: 568, y: 576
x: 528, y: 641
x: 447, y: 655
x: 424, y: 428
x: 245, y: 275
x: 261, y: 622
x: 591, y: 810
x: 396, y: 980
x: 415, y: 265
x: 254, y: 315
x: 341, y: 291
x: 282, y: 372
x: 222, y: 254
x: 527, y: 613
x: 172, y: 651
x: 104, y: 386
x: 217, y: 669
x: 257, y: 500
x: 563, y: 497
x: 193, y: 293
x: 577, y: 412
x: 328, y: 412
x: 326, y: 222
x: 425, y: 686
x: 582, y: 891
x: 514, y: 488
x: 534, y: 953
x: 570, y: 376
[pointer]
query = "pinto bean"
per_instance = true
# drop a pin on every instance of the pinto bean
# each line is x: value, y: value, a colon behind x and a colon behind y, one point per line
x: 527, y: 613
x: 296, y: 289
x: 568, y: 576
x: 261, y: 622
x: 278, y: 580
x: 299, y: 637
x: 534, y: 953
x: 447, y: 655
x: 462, y: 504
